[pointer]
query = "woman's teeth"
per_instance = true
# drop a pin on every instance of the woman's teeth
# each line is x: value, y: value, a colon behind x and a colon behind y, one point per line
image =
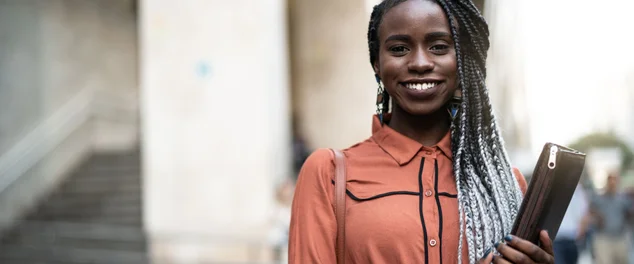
x: 420, y: 86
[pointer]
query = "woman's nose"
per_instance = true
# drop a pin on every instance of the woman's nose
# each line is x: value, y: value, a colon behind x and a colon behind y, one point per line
x: 420, y: 62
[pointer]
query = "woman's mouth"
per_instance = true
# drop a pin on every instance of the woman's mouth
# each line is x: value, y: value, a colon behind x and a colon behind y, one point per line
x: 422, y: 89
x: 420, y: 86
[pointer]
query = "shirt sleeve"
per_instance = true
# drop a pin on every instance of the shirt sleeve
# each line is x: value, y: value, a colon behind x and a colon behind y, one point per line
x: 313, y: 228
x: 520, y: 180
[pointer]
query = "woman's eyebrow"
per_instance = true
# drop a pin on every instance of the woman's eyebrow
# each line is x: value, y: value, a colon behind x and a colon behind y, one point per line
x: 398, y: 38
x: 430, y: 35
x: 437, y: 35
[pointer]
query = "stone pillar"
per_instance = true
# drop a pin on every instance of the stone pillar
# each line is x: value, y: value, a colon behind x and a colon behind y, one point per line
x: 333, y: 83
x: 505, y: 79
x: 214, y: 98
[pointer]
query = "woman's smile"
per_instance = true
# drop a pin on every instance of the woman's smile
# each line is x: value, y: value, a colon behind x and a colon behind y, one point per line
x: 422, y: 89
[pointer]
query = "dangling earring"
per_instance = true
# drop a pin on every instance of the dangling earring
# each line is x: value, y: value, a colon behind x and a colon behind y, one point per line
x: 380, y: 99
x: 454, y: 104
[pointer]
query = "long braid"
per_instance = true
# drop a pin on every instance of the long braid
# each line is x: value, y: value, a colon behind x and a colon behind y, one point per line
x: 505, y: 206
x: 475, y: 59
x: 489, y: 188
x: 488, y: 193
x: 483, y: 190
x: 500, y: 157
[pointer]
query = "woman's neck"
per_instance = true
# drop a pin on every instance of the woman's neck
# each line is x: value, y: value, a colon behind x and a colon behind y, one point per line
x: 427, y: 129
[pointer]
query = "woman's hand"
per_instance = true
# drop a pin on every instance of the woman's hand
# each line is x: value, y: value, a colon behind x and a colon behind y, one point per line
x: 517, y: 250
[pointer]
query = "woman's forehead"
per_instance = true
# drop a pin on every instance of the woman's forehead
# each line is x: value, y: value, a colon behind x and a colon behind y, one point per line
x: 414, y: 15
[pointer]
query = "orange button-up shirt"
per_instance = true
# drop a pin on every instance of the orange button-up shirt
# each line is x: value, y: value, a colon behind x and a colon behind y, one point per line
x: 402, y: 204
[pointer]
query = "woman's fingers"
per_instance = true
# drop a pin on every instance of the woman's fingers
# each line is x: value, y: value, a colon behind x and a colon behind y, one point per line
x: 487, y: 258
x: 500, y: 260
x: 511, y: 254
x: 530, y: 250
x: 547, y: 243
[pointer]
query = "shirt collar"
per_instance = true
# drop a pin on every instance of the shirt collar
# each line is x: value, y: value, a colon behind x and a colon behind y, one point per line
x: 401, y: 148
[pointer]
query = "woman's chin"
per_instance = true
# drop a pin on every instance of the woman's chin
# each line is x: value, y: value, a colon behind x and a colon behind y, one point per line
x: 423, y: 110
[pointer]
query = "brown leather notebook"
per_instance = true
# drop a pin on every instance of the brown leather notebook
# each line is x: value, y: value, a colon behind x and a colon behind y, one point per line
x: 549, y: 192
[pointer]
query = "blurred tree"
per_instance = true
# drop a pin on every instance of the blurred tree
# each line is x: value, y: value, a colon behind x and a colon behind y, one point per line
x: 605, y: 140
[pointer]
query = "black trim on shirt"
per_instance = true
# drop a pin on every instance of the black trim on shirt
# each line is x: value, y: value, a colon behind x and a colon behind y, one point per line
x: 439, y: 210
x: 447, y: 194
x: 353, y: 197
x: 420, y: 207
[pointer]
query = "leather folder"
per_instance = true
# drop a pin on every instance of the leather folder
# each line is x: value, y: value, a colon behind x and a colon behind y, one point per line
x: 549, y: 192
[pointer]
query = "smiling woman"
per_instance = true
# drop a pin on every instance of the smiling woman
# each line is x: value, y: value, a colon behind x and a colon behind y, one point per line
x: 417, y: 64
x: 433, y: 183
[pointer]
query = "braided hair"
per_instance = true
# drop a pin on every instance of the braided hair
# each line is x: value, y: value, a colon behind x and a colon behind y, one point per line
x: 489, y: 195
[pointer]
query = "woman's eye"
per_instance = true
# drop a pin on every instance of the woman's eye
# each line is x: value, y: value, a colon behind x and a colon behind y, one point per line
x: 399, y: 49
x: 439, y: 48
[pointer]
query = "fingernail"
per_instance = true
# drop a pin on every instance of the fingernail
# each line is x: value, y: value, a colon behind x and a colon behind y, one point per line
x: 497, y: 244
x: 508, y: 238
x: 486, y: 253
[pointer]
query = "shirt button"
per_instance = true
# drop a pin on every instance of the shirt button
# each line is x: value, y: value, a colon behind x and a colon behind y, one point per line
x: 428, y: 193
x: 428, y: 152
x: 432, y: 242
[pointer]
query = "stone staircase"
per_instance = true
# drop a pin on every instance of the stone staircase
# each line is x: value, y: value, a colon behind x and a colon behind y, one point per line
x: 94, y: 217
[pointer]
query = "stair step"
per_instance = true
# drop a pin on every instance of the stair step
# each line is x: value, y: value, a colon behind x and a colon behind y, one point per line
x: 22, y: 261
x: 103, y: 189
x: 93, y: 211
x: 128, y: 220
x: 131, y: 219
x: 112, y: 166
x: 94, y: 216
x: 104, y: 171
x: 97, y: 196
x: 48, y: 240
x: 103, y: 176
x: 83, y: 230
x: 117, y: 157
x: 71, y: 255
x: 80, y: 201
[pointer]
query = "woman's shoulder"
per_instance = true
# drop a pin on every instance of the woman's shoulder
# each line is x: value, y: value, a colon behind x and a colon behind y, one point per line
x: 319, y: 164
x: 321, y: 160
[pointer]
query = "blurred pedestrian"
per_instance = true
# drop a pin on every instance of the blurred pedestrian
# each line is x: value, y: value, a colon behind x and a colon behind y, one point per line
x: 300, y: 150
x: 572, y: 229
x: 610, y: 212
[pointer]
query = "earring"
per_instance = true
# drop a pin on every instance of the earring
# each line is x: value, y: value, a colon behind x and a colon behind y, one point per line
x: 454, y: 105
x: 380, y: 99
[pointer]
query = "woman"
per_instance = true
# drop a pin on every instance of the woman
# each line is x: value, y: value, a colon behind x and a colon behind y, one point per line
x: 433, y: 156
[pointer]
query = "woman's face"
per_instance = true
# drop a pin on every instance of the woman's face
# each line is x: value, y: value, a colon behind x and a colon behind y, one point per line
x: 417, y: 58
